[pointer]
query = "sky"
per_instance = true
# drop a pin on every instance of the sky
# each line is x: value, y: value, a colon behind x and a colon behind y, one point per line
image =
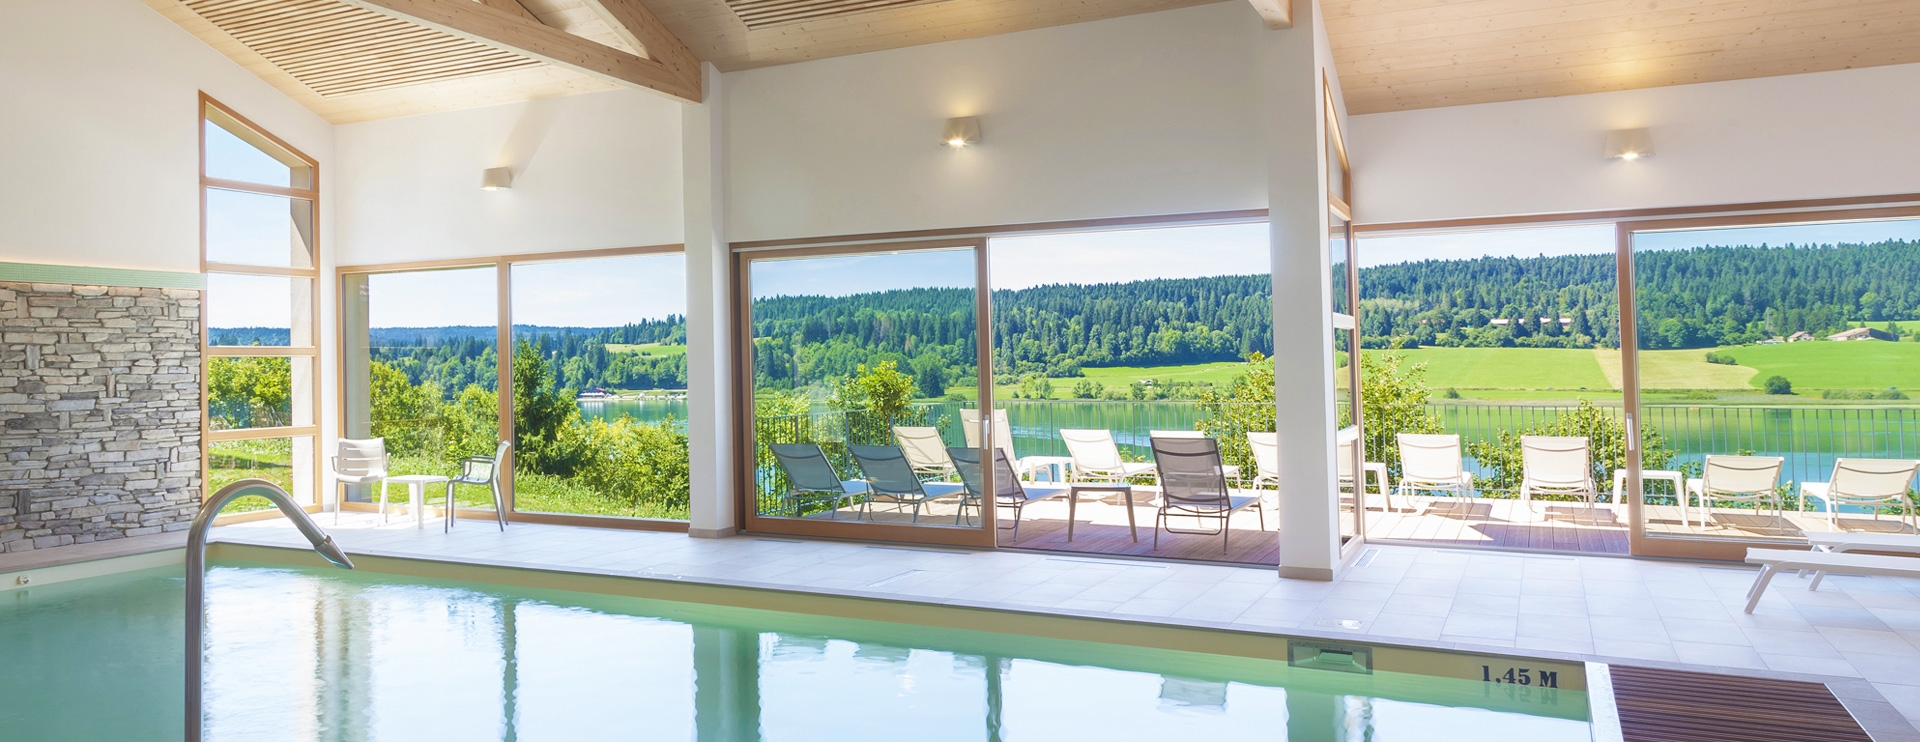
x: 601, y: 292
x: 1599, y: 239
x: 1028, y: 261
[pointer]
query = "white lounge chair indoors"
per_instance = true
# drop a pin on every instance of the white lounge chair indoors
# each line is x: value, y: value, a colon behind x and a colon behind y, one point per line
x: 1096, y: 458
x: 925, y: 451
x: 1738, y: 479
x: 1002, y: 439
x: 1556, y: 465
x: 1348, y: 438
x: 1864, y: 482
x: 1233, y: 470
x: 1841, y: 542
x: 1774, y: 561
x: 1432, y: 462
x: 359, y: 461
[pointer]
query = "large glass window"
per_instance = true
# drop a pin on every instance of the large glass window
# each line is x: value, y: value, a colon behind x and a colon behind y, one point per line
x: 258, y: 378
x: 424, y: 373
x: 1478, y: 347
x: 1776, y: 369
x: 600, y: 386
x: 596, y: 367
x: 866, y: 370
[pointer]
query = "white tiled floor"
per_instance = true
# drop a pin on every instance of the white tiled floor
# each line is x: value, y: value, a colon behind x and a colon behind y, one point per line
x: 1586, y: 607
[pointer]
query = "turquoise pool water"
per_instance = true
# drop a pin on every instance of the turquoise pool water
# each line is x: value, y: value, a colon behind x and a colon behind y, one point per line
x: 299, y: 655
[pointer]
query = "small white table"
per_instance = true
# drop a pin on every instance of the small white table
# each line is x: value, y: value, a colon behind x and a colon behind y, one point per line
x: 1678, y: 479
x: 416, y: 495
x: 1057, y: 467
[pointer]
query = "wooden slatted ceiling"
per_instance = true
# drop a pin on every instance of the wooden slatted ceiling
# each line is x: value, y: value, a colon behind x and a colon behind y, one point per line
x: 339, y: 50
x: 1675, y: 706
x: 1404, y: 54
x: 715, y: 34
x: 758, y: 14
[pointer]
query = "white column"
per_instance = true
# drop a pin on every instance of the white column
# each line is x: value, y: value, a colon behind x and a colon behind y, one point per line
x: 709, y: 311
x: 1302, y: 312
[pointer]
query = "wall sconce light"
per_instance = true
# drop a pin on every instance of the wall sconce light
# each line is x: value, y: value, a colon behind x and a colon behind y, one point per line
x: 496, y: 178
x: 961, y: 132
x: 1629, y: 144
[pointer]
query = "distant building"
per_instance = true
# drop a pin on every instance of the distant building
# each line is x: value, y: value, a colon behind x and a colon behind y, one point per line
x: 1799, y: 336
x: 1862, y: 333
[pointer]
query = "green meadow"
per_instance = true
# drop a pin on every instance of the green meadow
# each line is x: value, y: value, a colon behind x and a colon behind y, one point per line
x: 1540, y: 374
x: 648, y: 349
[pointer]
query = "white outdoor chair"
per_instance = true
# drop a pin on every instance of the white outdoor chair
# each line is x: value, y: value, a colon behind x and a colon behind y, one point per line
x: 1866, y: 482
x: 1738, y: 479
x: 1266, y: 463
x: 926, y: 451
x: 1348, y: 438
x: 1556, y: 465
x: 359, y: 461
x: 1096, y: 458
x: 1002, y: 439
x: 1233, y: 470
x: 1432, y: 462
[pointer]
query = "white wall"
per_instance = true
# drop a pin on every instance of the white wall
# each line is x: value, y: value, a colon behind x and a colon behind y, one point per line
x: 1820, y: 135
x: 589, y: 171
x: 99, y: 115
x: 1147, y: 114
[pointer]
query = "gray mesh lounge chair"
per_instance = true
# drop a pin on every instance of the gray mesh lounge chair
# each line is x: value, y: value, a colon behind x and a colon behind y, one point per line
x: 1009, y: 491
x: 890, y: 475
x: 1194, y: 483
x: 809, y: 473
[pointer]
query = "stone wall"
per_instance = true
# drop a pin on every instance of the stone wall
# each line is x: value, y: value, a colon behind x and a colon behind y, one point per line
x: 99, y: 413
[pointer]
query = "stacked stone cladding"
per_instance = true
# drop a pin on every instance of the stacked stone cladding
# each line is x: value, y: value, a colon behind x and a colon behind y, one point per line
x: 99, y: 413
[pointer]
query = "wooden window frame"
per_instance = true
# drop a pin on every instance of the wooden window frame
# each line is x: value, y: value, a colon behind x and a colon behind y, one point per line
x: 257, y: 136
x: 503, y: 338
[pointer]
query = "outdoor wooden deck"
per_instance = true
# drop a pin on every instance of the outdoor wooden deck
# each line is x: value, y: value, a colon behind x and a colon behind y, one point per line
x: 1100, y: 527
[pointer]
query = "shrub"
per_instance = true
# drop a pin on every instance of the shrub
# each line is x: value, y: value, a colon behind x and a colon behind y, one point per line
x: 1088, y: 389
x: 1452, y: 393
x: 1713, y: 357
x: 1393, y: 400
x: 1777, y: 384
x: 1606, y: 435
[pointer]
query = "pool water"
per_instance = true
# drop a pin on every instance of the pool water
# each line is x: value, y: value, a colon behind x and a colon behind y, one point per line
x: 310, y: 655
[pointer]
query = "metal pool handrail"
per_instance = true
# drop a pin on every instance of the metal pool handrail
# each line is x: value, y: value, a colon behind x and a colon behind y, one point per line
x: 197, y: 569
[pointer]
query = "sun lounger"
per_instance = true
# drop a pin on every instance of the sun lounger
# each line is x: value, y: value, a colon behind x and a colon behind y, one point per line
x: 1775, y: 561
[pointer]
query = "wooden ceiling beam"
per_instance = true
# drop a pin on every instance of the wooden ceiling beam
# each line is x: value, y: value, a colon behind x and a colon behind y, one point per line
x: 510, y: 32
x: 1277, y: 13
x: 511, y: 6
x: 641, y: 29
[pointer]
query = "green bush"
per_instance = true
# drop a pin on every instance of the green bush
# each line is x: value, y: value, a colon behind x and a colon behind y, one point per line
x: 1777, y: 384
x: 1606, y: 435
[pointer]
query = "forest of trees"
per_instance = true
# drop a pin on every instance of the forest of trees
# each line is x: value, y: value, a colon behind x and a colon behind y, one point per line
x: 1693, y: 298
x: 1051, y: 330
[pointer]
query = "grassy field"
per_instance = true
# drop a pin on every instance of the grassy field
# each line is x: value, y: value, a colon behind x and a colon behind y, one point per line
x: 1866, y: 364
x: 1510, y: 368
x: 648, y: 349
x: 1544, y: 374
x: 1220, y: 375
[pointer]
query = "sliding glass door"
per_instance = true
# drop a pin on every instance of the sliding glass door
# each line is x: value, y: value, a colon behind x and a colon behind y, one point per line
x: 576, y: 359
x: 866, y: 369
x: 1772, y: 368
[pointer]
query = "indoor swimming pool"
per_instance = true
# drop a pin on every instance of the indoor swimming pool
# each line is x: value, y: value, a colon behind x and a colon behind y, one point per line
x: 298, y: 654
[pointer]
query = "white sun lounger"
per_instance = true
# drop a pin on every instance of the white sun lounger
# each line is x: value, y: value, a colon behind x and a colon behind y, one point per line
x: 1894, y: 543
x: 1775, y: 561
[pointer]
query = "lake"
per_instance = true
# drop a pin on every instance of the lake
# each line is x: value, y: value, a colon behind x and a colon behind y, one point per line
x: 646, y: 410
